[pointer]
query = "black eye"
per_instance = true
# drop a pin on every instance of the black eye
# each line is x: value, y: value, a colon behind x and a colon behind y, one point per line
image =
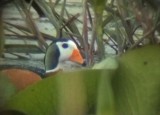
x: 64, y: 45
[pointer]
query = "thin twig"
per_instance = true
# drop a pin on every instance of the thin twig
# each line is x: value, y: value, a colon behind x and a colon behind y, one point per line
x: 145, y: 36
x: 70, y: 20
x: 20, y: 56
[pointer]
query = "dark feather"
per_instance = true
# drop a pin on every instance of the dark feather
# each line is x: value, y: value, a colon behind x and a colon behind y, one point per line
x: 51, y: 57
x: 60, y: 40
x: 36, y: 70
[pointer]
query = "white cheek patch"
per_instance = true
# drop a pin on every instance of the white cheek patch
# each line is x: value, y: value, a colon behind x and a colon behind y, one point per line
x: 71, y: 43
x: 65, y: 53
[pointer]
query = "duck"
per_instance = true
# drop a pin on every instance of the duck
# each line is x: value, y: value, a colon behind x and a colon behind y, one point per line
x: 59, y: 51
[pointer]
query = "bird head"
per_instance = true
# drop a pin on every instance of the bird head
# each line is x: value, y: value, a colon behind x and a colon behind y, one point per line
x: 60, y: 51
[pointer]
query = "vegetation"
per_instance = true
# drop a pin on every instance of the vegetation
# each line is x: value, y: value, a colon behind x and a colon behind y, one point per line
x: 129, y: 88
x: 121, y: 25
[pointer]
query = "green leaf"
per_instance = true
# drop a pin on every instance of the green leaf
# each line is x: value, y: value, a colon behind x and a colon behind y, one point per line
x: 66, y: 93
x: 105, y: 97
x: 130, y: 89
x: 108, y: 63
x: 137, y: 83
x: 11, y: 112
x: 7, y: 89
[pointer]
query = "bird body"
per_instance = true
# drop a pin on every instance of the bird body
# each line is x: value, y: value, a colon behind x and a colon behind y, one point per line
x: 58, y: 51
x: 21, y: 78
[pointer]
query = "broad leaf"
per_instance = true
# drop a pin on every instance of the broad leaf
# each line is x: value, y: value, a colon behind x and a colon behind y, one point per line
x: 137, y: 83
x: 133, y: 89
x: 7, y: 89
x: 66, y: 93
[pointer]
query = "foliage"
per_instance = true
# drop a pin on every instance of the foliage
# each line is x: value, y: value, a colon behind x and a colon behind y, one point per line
x: 55, y: 94
x: 120, y: 24
x: 7, y: 89
x: 137, y: 82
x: 132, y: 88
x: 136, y: 24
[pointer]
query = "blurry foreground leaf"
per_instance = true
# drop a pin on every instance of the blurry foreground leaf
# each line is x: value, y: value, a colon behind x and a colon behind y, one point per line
x: 48, y: 97
x: 11, y: 112
x: 132, y: 89
x: 105, y: 97
x: 7, y: 89
x: 108, y: 63
x: 136, y: 84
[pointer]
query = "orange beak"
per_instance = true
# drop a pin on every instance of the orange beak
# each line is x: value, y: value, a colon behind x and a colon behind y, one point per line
x: 76, y: 57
